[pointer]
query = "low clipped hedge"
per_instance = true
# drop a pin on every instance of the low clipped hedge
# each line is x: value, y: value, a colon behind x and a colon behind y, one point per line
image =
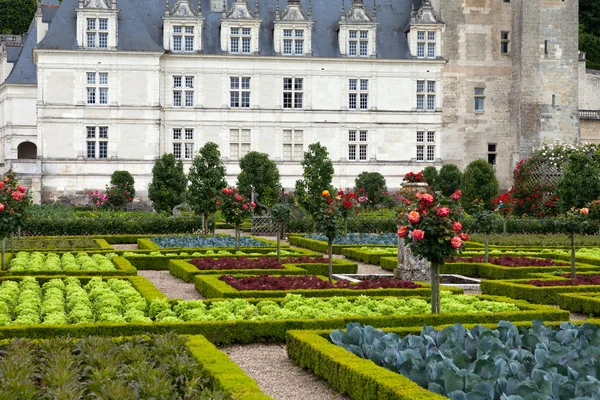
x: 518, y: 289
x: 226, y: 376
x: 225, y: 332
x: 388, y: 263
x: 584, y: 303
x: 122, y: 265
x: 349, y: 374
x: 369, y: 258
x: 492, y: 271
x: 211, y: 287
x: 317, y: 245
x: 147, y: 244
x: 184, y: 270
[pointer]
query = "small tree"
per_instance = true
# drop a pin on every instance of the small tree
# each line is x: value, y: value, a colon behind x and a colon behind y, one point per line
x: 572, y: 222
x: 479, y: 182
x: 373, y: 184
x: 206, y: 179
x: 235, y: 209
x: 14, y: 201
x: 280, y: 214
x: 326, y: 218
x: 121, y: 190
x: 485, y: 222
x: 431, y: 175
x: 580, y: 182
x: 258, y: 171
x: 317, y: 173
x: 448, y: 180
x: 168, y: 185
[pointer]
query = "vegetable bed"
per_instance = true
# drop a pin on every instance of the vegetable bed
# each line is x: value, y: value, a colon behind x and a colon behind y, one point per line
x: 319, y: 243
x: 536, y: 363
x: 523, y: 289
x: 250, y: 263
x: 509, y: 261
x: 208, y: 241
x: 38, y: 262
x: 265, y: 282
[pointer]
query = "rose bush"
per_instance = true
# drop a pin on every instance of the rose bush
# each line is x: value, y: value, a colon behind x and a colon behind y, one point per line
x: 14, y: 200
x: 235, y: 208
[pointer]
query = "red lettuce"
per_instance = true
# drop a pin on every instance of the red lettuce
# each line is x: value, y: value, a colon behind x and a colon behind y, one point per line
x: 265, y: 282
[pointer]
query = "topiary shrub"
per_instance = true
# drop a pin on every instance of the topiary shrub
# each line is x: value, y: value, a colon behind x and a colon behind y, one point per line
x: 479, y: 182
x: 168, y: 185
x: 431, y: 176
x: 580, y: 182
x: 448, y: 179
x: 258, y: 171
x: 123, y: 179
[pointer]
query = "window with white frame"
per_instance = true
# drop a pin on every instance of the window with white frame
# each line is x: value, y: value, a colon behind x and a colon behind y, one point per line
x: 358, y: 43
x: 426, y: 95
x: 293, y: 92
x: 293, y: 144
x: 357, y: 145
x: 183, y: 91
x: 426, y: 146
x: 183, y: 39
x: 239, y: 143
x: 293, y: 42
x: 97, y: 142
x: 97, y: 88
x: 358, y: 94
x: 239, y: 93
x: 96, y: 33
x: 426, y: 42
x: 183, y: 143
x: 240, y: 40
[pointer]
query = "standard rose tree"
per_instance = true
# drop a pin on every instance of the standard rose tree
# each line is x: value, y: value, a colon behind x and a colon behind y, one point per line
x: 14, y: 200
x: 431, y: 227
x: 235, y: 209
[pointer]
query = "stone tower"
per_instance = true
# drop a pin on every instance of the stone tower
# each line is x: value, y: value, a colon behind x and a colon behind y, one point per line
x: 511, y: 79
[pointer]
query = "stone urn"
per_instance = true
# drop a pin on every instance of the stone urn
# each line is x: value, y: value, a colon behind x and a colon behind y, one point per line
x: 411, y: 267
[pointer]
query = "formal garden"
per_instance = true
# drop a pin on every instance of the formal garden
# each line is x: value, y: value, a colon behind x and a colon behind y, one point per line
x: 444, y: 288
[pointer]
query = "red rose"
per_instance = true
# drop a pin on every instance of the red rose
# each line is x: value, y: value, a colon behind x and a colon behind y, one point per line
x: 1, y: 207
x: 456, y: 195
x: 418, y: 234
x: 252, y: 205
x: 457, y: 226
x: 456, y: 242
x: 238, y: 197
x: 245, y: 207
x: 402, y: 231
x: 21, y: 189
x: 443, y: 211
x: 414, y: 217
x: 464, y: 237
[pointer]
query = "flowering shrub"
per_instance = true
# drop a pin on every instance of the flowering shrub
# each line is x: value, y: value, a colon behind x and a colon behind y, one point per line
x: 234, y: 206
x: 14, y: 199
x: 113, y: 197
x: 411, y: 177
x: 264, y: 282
x: 226, y: 263
x: 503, y: 204
x: 98, y: 199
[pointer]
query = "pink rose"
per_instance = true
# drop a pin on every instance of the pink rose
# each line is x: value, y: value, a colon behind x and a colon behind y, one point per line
x: 457, y: 226
x: 17, y: 195
x: 464, y: 237
x: 402, y: 231
x: 245, y: 207
x: 456, y: 195
x: 238, y: 197
x: 427, y: 198
x: 1, y: 207
x: 456, y: 242
x: 414, y: 217
x: 443, y: 211
x: 252, y: 204
x: 418, y: 234
x: 129, y: 199
x: 21, y: 189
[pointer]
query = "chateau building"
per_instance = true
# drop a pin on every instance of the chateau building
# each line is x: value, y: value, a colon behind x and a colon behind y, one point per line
x: 387, y: 85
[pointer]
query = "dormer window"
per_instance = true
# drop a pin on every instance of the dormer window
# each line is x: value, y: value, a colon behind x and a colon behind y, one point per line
x: 358, y: 31
x: 358, y: 44
x: 426, y: 44
x: 183, y: 27
x: 293, y: 42
x: 183, y: 39
x: 425, y: 33
x: 97, y: 33
x: 240, y: 40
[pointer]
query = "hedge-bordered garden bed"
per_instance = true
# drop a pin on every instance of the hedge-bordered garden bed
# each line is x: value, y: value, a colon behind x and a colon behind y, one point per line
x: 367, y: 257
x: 317, y: 245
x: 519, y: 289
x: 122, y: 265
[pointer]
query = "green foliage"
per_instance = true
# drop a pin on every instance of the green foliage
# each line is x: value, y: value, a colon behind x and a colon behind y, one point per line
x: 16, y: 16
x: 448, y: 179
x: 281, y: 213
x: 14, y: 202
x: 37, y: 262
x: 317, y: 173
x: 479, y: 182
x: 430, y: 174
x: 123, y: 179
x: 485, y: 220
x: 580, y: 182
x: 168, y: 185
x: 258, y: 171
x: 235, y: 208
x: 373, y: 184
x: 206, y: 179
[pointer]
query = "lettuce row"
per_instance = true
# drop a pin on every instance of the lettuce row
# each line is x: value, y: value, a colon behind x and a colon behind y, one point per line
x: 39, y: 262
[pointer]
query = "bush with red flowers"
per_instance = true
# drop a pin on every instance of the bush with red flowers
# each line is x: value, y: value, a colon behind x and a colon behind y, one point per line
x: 235, y: 208
x: 431, y: 227
x: 14, y: 200
x: 265, y: 282
x: 509, y: 261
x: 230, y: 263
x: 411, y: 177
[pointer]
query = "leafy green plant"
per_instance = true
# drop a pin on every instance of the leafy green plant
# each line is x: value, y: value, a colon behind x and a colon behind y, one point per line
x: 580, y: 182
x: 317, y: 175
x: 259, y: 172
x: 373, y: 185
x: 448, y: 180
x: 430, y: 174
x: 168, y: 185
x: 479, y: 182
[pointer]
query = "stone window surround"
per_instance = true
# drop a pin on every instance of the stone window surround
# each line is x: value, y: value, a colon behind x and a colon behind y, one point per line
x: 168, y: 34
x: 295, y: 143
x: 344, y: 38
x: 227, y: 24
x: 184, y: 137
x: 278, y: 38
x: 424, y: 143
x: 93, y: 13
x: 357, y: 140
x: 99, y: 139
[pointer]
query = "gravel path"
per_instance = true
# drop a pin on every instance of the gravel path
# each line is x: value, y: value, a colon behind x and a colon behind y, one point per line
x: 173, y: 287
x: 125, y: 246
x: 276, y: 374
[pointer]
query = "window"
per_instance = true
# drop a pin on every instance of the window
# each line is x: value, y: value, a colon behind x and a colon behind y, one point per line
x: 240, y: 40
x: 426, y: 44
x: 239, y: 143
x: 293, y: 42
x: 358, y: 44
x: 545, y: 47
x: 183, y: 39
x: 183, y: 146
x: 479, y: 99
x: 97, y: 142
x: 293, y: 92
x: 492, y: 153
x: 357, y: 145
x: 97, y: 33
x: 426, y: 146
x: 183, y: 91
x: 426, y: 95
x: 358, y: 94
x: 239, y: 92
x: 504, y: 42
x: 293, y: 148
x: 97, y: 88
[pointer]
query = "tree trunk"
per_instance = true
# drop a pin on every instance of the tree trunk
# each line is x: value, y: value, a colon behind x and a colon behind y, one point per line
x: 572, y: 255
x: 19, y: 234
x: 487, y: 248
x: 237, y: 237
x: 330, y: 251
x: 434, y: 288
x: 346, y: 226
x: 12, y: 242
x: 279, y: 234
x: 439, y: 300
x: 504, y: 226
x: 3, y: 251
x: 205, y: 224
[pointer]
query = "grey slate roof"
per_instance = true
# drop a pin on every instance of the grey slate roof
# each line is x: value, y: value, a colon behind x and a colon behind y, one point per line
x: 13, y: 53
x: 24, y: 71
